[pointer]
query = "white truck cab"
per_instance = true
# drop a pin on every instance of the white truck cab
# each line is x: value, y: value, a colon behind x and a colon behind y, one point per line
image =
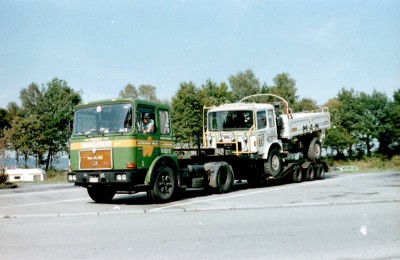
x: 242, y: 128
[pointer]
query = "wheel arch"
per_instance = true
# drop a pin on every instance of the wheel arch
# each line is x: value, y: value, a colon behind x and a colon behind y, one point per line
x: 167, y: 160
x: 275, y: 145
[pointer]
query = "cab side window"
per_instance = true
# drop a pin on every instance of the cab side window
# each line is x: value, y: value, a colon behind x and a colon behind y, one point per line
x: 271, y: 121
x: 261, y: 120
x: 145, y: 120
x: 165, y: 128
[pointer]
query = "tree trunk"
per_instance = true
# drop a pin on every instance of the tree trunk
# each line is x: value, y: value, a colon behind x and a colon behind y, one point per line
x: 48, y: 160
x: 368, y: 144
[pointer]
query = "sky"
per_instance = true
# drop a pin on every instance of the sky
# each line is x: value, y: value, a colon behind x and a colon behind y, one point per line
x: 99, y: 47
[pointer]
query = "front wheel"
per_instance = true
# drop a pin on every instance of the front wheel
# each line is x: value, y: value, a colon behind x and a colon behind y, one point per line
x: 101, y: 194
x: 164, y: 184
x: 274, y: 164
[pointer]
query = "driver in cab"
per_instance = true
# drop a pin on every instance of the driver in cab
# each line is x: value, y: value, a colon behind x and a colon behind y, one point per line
x: 148, y: 124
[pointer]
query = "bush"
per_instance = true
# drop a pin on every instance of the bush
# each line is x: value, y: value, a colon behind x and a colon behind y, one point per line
x: 53, y: 175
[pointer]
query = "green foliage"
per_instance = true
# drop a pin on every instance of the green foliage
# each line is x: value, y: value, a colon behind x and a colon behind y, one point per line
x: 213, y: 94
x: 129, y: 91
x: 187, y: 112
x: 306, y: 104
x: 244, y: 84
x: 285, y: 87
x: 43, y: 124
x: 146, y: 92
x: 53, y: 175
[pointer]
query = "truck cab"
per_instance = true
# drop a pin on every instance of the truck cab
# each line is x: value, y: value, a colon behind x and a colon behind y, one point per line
x: 243, y: 129
x: 110, y: 151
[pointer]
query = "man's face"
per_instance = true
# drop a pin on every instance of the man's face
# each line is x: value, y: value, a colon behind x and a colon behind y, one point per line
x: 146, y: 119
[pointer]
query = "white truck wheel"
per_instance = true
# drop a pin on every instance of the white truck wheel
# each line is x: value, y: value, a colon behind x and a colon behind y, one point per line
x: 314, y: 150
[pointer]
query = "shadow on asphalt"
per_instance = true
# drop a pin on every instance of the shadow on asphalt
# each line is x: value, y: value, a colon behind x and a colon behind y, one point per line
x: 142, y: 198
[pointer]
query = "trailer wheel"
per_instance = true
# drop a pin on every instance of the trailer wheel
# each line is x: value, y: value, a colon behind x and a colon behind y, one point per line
x: 314, y: 150
x: 310, y: 172
x: 164, y: 184
x: 320, y: 172
x: 274, y: 164
x: 101, y: 194
x: 297, y: 174
x: 224, y: 179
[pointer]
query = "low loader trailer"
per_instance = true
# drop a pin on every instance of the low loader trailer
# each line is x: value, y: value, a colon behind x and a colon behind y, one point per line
x: 113, y: 150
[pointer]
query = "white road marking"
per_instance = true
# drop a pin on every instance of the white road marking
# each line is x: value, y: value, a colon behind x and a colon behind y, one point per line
x: 43, y: 203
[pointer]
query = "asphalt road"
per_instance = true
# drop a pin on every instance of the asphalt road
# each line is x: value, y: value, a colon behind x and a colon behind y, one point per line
x: 345, y: 216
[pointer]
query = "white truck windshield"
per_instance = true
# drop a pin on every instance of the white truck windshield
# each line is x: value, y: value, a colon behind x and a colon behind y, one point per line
x: 230, y: 120
x: 103, y: 119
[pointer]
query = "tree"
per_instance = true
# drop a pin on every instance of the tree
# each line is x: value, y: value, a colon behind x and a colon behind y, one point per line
x: 187, y: 111
x: 285, y: 87
x: 12, y: 112
x: 44, y: 124
x: 148, y: 92
x: 57, y: 116
x: 338, y: 138
x: 25, y: 136
x: 31, y: 97
x: 305, y: 104
x: 213, y: 94
x: 244, y: 84
x: 129, y: 91
x: 389, y: 131
x: 373, y: 111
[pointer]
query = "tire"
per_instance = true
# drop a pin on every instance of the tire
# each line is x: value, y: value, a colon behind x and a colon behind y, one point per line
x: 274, y: 165
x: 297, y: 174
x: 101, y: 194
x: 310, y: 173
x: 320, y: 172
x: 314, y: 150
x: 224, y: 179
x: 165, y: 184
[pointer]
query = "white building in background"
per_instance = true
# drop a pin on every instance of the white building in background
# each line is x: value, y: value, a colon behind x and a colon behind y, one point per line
x: 18, y: 174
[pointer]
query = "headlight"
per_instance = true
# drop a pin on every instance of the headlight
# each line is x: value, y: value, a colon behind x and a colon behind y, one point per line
x: 119, y: 177
x: 124, y: 177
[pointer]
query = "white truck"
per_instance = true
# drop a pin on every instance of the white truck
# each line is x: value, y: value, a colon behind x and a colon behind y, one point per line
x: 260, y: 141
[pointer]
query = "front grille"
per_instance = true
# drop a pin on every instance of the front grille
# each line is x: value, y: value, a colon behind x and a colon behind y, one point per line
x: 95, y: 160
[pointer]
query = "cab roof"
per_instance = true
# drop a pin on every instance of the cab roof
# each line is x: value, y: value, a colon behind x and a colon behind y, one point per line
x: 241, y: 106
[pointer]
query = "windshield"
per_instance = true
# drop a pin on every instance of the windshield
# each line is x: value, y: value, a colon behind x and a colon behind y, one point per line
x: 103, y: 119
x: 230, y: 120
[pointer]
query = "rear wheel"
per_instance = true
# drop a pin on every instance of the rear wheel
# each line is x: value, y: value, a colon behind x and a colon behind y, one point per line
x: 314, y: 150
x: 164, y: 184
x: 320, y: 172
x: 297, y: 174
x: 101, y: 194
x: 310, y: 173
x: 224, y: 179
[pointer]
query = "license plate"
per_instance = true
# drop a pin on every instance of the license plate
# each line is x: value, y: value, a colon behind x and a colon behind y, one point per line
x: 94, y: 179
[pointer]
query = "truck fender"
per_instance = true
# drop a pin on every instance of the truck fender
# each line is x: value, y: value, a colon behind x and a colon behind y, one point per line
x: 213, y: 168
x: 169, y: 160
x: 277, y: 143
